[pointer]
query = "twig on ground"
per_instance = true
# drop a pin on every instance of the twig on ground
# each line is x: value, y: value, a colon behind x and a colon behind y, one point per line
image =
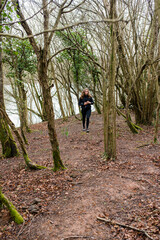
x: 21, y: 230
x: 74, y: 237
x: 24, y: 228
x: 144, y: 145
x: 125, y: 226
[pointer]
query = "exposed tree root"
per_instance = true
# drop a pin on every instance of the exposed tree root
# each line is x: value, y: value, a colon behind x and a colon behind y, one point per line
x: 125, y: 226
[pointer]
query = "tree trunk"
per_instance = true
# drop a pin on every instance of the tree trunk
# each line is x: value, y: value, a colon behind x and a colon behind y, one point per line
x: 157, y: 7
x: 94, y: 92
x: 21, y: 108
x: 9, y: 146
x: 48, y: 107
x: 24, y: 114
x: 111, y: 108
x: 42, y: 68
x: 69, y: 94
x: 37, y: 99
x: 58, y: 94
x: 105, y: 122
x: 28, y: 162
x: 14, y: 213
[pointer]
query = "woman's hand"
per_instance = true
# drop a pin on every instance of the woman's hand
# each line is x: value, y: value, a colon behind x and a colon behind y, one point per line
x: 88, y: 102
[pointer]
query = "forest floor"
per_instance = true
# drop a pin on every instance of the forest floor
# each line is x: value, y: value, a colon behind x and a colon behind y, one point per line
x: 126, y: 190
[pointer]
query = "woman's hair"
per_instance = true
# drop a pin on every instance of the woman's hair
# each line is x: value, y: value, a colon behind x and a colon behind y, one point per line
x: 83, y: 93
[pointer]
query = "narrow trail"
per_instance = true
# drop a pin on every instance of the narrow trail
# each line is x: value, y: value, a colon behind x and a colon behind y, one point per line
x: 126, y: 190
x: 121, y: 190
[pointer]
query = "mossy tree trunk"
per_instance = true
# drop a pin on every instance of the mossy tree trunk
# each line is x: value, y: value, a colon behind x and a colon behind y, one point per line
x: 9, y: 146
x: 13, y: 212
x: 28, y: 161
x: 42, y: 68
x: 48, y: 107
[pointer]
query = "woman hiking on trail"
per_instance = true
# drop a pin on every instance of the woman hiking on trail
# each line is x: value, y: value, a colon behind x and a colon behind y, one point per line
x: 85, y: 102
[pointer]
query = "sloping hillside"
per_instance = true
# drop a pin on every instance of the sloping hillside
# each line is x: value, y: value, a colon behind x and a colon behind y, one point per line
x: 65, y: 205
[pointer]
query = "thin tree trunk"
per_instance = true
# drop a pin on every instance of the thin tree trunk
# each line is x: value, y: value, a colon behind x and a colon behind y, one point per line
x: 21, y: 107
x: 94, y: 93
x: 105, y: 113
x: 111, y: 109
x: 69, y: 95
x: 58, y: 93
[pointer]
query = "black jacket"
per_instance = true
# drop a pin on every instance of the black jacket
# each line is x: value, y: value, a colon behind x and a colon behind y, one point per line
x: 85, y: 99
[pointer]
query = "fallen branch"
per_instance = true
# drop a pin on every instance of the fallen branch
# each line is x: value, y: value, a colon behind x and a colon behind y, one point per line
x: 125, y: 226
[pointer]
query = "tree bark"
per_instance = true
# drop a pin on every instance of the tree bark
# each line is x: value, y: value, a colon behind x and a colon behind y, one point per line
x: 111, y: 109
x: 58, y: 93
x: 14, y: 213
x: 9, y: 146
x: 157, y: 11
x: 48, y: 107
x: 42, y: 68
x: 28, y: 162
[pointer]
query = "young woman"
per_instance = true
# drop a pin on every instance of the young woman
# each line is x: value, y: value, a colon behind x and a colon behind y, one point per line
x: 85, y: 102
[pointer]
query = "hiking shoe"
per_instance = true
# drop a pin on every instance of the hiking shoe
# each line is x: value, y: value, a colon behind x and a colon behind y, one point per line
x: 87, y: 130
x: 84, y: 129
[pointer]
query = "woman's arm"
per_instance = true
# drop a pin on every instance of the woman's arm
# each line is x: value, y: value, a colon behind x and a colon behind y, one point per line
x: 81, y: 103
x: 91, y: 101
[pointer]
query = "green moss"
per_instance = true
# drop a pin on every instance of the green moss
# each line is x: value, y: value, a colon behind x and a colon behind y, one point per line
x: 32, y: 165
x: 9, y: 146
x: 58, y: 164
x: 14, y: 213
x: 155, y: 140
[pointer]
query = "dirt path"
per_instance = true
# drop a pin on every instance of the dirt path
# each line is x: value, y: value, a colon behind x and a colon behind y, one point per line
x: 126, y: 190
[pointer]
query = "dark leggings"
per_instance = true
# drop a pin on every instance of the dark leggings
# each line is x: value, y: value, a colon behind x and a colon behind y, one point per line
x: 86, y: 114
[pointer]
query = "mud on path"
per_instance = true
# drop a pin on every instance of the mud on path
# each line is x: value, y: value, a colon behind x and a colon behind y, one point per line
x: 126, y: 190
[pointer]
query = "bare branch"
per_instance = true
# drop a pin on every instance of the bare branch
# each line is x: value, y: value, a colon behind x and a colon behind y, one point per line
x: 26, y: 27
x: 20, y: 21
x: 3, y: 6
x: 57, y: 21
x: 63, y: 28
x: 61, y: 50
x: 74, y: 7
